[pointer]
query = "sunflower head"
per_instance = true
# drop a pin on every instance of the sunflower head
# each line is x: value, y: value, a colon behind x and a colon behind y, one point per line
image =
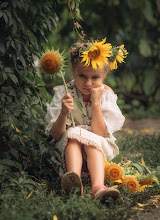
x: 118, y: 54
x: 147, y: 179
x: 130, y: 183
x: 145, y: 182
x: 97, y: 54
x: 113, y: 172
x: 52, y: 62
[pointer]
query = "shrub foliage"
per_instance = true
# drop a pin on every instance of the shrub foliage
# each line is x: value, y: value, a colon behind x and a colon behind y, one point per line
x: 24, y: 26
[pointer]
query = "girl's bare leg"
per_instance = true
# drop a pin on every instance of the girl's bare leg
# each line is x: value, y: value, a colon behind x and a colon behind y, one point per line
x: 73, y: 156
x: 95, y: 163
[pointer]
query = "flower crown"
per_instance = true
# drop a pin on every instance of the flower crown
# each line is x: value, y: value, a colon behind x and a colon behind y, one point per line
x: 99, y: 53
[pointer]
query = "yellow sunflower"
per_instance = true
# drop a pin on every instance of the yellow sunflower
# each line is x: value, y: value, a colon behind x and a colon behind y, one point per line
x: 97, y: 54
x: 52, y: 62
x: 113, y: 172
x: 130, y: 183
x: 148, y: 181
x: 118, y: 54
x: 113, y: 65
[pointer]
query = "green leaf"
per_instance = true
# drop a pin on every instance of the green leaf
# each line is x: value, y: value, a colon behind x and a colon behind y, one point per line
x: 12, y: 92
x: 4, y: 5
x: 13, y: 78
x: 157, y: 95
x: 149, y: 82
x: 38, y: 110
x: 7, y: 70
x: 34, y: 100
x: 148, y: 13
x: 79, y: 105
x: 45, y: 94
x: 9, y: 17
x: 144, y: 48
x: 22, y: 60
x: 14, y: 153
x: 2, y: 48
x: 17, y: 111
x: 18, y: 165
x: 158, y: 170
x: 39, y: 81
x: 5, y: 18
x: 19, y: 47
x: 8, y: 162
x: 139, y: 167
x: 27, y: 90
x: 129, y: 81
x: 117, y: 159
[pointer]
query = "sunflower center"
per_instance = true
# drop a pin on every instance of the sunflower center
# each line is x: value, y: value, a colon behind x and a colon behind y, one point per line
x: 146, y: 182
x: 131, y: 185
x: 51, y: 63
x: 114, y: 173
x: 94, y: 54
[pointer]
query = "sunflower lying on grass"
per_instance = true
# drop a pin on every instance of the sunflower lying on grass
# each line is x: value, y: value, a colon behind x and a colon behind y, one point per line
x: 134, y: 177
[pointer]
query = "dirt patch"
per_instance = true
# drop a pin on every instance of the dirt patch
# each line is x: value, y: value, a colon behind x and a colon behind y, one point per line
x: 146, y: 126
x: 147, y: 123
x: 143, y: 126
x: 151, y: 211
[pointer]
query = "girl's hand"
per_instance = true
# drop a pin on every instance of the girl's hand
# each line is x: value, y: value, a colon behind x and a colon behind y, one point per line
x: 67, y: 104
x: 96, y: 94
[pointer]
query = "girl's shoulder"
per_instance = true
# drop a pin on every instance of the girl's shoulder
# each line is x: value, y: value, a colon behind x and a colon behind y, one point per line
x: 59, y: 91
x: 59, y: 87
x: 107, y: 89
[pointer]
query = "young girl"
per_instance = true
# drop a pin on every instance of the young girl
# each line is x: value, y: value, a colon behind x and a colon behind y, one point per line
x: 82, y: 149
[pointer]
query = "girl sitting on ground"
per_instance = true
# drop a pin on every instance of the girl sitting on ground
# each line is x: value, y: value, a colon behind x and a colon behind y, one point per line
x: 82, y: 149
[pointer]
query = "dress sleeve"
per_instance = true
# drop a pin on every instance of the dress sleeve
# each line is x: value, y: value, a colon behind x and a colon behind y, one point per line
x: 112, y: 114
x: 54, y: 109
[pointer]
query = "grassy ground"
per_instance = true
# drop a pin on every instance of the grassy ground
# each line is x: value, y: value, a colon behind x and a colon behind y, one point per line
x: 47, y: 199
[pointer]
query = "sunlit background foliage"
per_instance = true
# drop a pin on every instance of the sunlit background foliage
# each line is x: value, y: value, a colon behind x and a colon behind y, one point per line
x: 135, y: 24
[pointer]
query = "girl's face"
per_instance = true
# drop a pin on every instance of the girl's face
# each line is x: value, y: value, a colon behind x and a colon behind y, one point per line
x: 86, y: 78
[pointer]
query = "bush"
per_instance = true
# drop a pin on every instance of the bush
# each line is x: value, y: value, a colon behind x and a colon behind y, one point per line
x: 24, y: 26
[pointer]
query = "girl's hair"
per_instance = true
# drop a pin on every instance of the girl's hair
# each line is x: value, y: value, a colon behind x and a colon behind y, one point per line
x: 75, y: 54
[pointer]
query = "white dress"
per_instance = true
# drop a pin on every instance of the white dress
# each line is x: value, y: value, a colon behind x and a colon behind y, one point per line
x: 82, y: 132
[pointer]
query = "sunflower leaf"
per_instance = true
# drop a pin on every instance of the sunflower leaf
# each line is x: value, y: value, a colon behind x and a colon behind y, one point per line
x: 141, y: 169
x: 117, y: 159
x: 79, y: 105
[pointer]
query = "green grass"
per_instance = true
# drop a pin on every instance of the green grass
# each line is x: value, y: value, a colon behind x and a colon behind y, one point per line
x: 48, y: 200
x: 147, y: 146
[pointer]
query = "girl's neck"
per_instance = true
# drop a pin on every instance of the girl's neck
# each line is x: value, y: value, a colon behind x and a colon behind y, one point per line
x: 86, y: 98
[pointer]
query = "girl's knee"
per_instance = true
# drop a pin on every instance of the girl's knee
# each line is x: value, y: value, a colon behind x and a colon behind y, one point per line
x: 74, y: 141
x: 93, y: 150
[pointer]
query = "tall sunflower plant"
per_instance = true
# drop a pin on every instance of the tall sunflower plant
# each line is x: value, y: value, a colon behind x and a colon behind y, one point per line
x: 52, y: 63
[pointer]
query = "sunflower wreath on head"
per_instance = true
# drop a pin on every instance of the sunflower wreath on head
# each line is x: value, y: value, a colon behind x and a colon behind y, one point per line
x: 99, y: 53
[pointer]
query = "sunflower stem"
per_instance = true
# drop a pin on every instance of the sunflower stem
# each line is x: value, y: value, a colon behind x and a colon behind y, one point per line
x: 66, y: 89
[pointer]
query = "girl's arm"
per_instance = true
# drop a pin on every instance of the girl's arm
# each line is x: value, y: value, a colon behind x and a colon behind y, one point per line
x: 98, y: 125
x: 59, y: 126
